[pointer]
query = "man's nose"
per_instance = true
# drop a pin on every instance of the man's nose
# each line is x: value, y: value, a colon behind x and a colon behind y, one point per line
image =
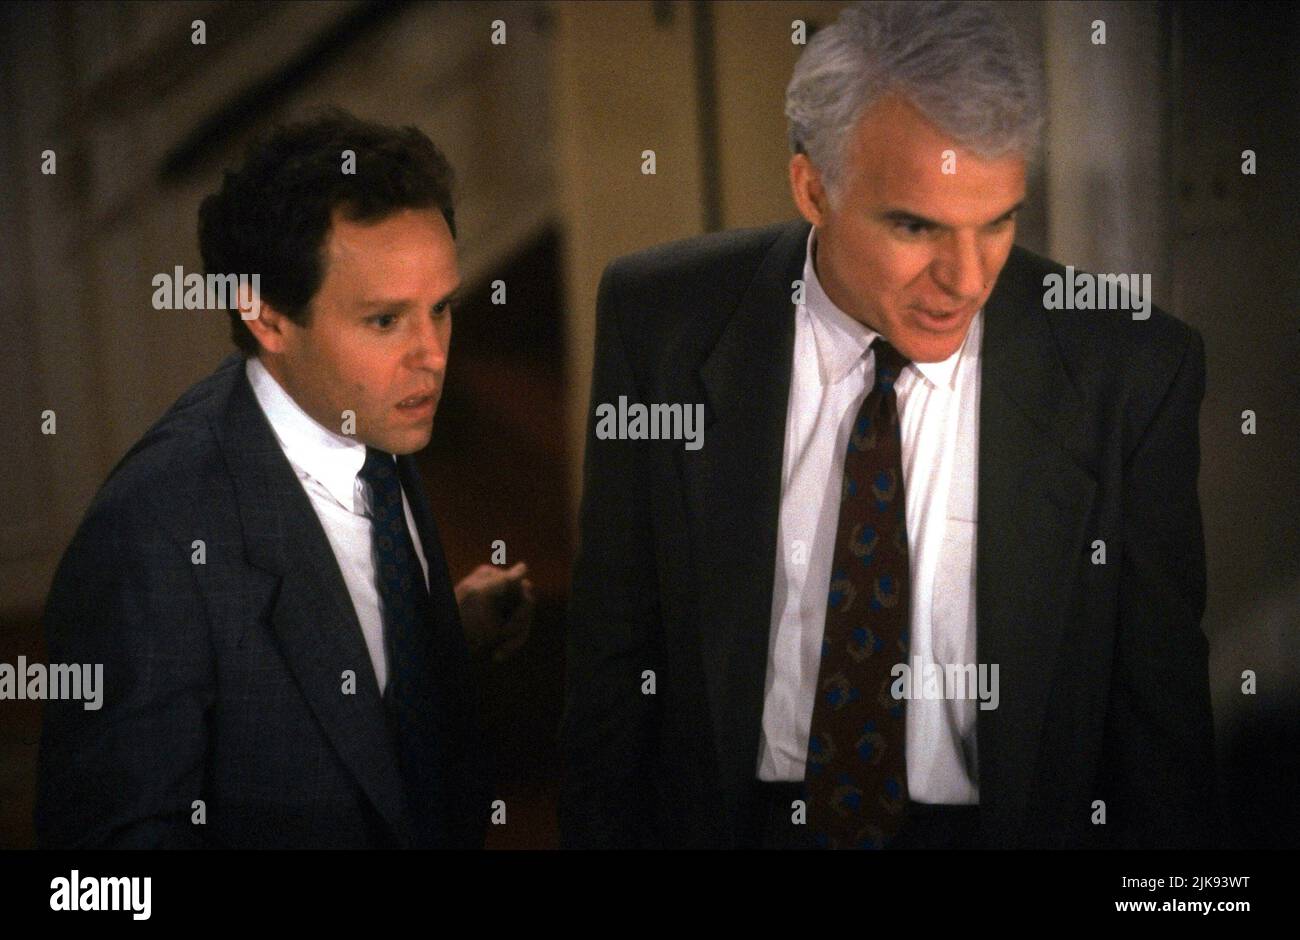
x: 959, y: 268
x: 430, y: 349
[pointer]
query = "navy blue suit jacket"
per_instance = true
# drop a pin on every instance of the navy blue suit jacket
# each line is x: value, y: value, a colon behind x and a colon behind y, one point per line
x: 226, y: 682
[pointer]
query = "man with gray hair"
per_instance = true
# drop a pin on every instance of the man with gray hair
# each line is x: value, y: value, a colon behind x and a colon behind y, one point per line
x: 912, y: 470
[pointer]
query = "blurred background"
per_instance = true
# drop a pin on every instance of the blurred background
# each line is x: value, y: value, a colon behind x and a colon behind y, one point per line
x: 1142, y: 173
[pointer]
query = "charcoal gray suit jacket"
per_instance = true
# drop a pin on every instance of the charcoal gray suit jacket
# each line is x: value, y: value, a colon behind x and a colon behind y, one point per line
x: 227, y: 681
x: 1088, y: 431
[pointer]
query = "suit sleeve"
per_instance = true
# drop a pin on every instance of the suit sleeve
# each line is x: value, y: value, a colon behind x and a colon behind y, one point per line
x: 1160, y: 733
x: 606, y: 796
x: 126, y: 775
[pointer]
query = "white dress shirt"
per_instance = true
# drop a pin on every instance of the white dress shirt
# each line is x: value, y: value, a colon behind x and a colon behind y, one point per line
x: 938, y: 404
x: 327, y: 465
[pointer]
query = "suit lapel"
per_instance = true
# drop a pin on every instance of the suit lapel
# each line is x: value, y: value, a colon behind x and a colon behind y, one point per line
x: 733, y: 486
x: 1035, y: 494
x: 449, y: 684
x: 439, y: 580
x: 313, y: 617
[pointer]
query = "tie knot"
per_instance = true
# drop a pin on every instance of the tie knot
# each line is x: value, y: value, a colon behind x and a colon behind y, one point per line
x: 889, y: 363
x: 380, y: 472
x: 379, y: 467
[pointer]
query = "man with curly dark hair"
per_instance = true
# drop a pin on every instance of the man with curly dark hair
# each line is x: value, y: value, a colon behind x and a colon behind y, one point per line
x: 261, y: 576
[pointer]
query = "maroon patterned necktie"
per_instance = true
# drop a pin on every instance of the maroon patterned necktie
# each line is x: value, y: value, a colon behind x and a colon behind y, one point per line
x: 855, y: 779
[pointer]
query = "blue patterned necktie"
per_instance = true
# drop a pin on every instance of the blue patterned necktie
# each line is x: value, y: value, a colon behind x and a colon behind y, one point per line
x: 855, y: 778
x: 408, y: 635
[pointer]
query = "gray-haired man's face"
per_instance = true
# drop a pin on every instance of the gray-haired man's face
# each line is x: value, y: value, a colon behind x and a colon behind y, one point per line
x: 919, y: 233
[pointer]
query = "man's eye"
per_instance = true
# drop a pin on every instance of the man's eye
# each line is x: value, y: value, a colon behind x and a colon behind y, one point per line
x: 384, y: 320
x: 442, y: 309
x: 911, y: 228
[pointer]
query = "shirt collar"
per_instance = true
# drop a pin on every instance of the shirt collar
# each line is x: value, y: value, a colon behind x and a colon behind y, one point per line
x: 841, y: 340
x: 332, y: 459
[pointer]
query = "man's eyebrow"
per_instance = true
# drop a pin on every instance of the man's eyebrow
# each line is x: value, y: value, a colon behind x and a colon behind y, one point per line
x: 1010, y: 212
x: 397, y: 303
x: 911, y: 218
x: 380, y: 303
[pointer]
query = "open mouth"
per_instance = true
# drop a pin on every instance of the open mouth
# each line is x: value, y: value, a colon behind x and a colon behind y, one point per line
x: 940, y: 319
x: 416, y: 404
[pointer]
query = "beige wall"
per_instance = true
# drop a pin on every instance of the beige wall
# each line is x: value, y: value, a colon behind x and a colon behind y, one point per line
x: 622, y: 83
x: 755, y: 56
x: 625, y: 82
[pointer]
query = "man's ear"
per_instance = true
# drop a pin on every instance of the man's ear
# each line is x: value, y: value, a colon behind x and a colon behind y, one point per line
x: 269, y: 327
x: 806, y: 187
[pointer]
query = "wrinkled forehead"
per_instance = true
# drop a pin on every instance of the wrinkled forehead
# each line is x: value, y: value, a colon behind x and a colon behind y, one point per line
x: 898, y: 159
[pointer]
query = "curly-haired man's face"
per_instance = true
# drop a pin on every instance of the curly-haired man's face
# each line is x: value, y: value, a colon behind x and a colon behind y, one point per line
x: 377, y: 339
x: 920, y: 232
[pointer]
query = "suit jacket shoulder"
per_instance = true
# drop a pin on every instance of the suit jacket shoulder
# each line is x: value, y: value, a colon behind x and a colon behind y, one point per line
x: 670, y: 303
x: 162, y: 480
x: 222, y: 674
x: 1118, y: 365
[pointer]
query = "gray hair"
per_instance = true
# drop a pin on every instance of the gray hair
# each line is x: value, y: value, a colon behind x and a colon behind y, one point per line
x: 960, y: 64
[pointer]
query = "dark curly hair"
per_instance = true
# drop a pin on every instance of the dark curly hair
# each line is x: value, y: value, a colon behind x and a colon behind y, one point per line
x: 272, y: 215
